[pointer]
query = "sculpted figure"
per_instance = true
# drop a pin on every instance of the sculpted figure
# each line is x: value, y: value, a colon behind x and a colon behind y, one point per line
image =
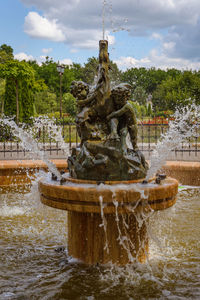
x: 87, y: 118
x: 123, y: 119
x: 103, y: 121
x: 93, y: 107
x: 80, y: 90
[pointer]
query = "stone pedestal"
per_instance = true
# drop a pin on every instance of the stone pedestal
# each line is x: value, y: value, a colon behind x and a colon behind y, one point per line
x: 106, y: 215
x: 92, y: 243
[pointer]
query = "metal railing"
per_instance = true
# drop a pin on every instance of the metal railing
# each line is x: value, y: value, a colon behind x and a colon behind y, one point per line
x: 149, y: 133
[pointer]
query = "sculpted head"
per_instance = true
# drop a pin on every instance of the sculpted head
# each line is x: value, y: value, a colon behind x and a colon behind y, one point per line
x: 121, y: 93
x: 79, y: 89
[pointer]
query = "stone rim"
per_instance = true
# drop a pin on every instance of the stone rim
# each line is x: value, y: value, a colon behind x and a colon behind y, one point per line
x: 86, y: 199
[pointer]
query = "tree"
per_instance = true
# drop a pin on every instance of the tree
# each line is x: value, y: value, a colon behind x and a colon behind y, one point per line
x: 91, y: 67
x: 77, y: 70
x: 45, y: 102
x: 148, y: 79
x: 17, y: 73
x: 149, y: 110
x: 140, y: 95
x: 69, y: 104
x: 2, y: 94
x: 48, y: 72
x: 6, y: 53
x: 170, y: 94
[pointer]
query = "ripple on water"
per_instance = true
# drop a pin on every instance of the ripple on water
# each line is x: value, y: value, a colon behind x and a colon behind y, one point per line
x: 30, y: 268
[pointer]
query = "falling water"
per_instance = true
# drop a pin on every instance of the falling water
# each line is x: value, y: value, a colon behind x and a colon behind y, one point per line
x: 182, y: 127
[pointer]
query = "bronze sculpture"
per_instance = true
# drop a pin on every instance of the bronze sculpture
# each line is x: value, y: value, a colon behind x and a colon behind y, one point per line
x: 104, y: 119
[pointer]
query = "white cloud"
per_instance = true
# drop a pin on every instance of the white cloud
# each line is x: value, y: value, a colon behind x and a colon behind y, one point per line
x: 154, y: 59
x: 156, y: 36
x: 66, y: 61
x: 46, y: 50
x: 78, y: 23
x: 41, y: 27
x: 23, y: 56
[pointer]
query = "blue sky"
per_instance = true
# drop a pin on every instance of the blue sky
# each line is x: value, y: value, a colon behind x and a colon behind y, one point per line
x: 150, y: 33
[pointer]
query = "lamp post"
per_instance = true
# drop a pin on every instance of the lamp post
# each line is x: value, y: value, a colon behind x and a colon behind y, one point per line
x: 60, y: 70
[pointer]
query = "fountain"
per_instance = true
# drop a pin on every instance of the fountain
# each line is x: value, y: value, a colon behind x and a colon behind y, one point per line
x: 105, y: 193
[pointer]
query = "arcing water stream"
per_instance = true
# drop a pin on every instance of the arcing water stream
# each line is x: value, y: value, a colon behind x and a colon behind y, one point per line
x: 182, y: 127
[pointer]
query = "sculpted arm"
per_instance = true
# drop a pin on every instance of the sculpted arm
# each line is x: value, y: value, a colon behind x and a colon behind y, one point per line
x: 86, y: 101
x: 118, y: 113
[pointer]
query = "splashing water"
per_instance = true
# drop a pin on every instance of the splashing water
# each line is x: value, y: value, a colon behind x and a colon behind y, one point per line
x: 182, y: 127
x: 103, y: 18
x: 29, y: 144
x: 53, y: 131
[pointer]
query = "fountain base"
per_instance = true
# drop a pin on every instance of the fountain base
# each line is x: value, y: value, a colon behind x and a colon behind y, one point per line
x: 104, y: 220
x: 92, y: 244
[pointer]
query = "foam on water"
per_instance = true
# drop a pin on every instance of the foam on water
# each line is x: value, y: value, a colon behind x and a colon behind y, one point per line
x: 6, y: 211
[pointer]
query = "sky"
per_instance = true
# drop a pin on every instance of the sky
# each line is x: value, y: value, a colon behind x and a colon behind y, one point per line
x: 141, y: 33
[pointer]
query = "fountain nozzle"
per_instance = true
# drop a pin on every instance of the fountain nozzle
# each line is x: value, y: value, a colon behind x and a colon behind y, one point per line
x: 144, y: 181
x: 54, y: 177
x: 159, y: 178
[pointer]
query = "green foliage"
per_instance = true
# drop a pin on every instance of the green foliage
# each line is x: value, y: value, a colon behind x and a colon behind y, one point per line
x: 140, y: 110
x: 90, y: 71
x: 2, y: 94
x: 48, y: 72
x: 10, y: 98
x: 172, y: 93
x: 69, y: 104
x: 149, y: 110
x: 77, y: 71
x: 148, y: 79
x: 27, y: 101
x: 66, y: 120
x: 140, y: 95
x: 169, y: 89
x: 40, y: 86
x: 17, y: 70
x: 45, y: 102
x: 164, y: 114
x: 6, y: 53
x: 19, y: 83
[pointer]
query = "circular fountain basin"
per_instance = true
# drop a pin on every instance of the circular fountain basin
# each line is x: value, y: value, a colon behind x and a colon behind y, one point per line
x: 84, y: 196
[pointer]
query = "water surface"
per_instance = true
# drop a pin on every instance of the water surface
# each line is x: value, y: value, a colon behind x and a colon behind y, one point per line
x: 31, y: 268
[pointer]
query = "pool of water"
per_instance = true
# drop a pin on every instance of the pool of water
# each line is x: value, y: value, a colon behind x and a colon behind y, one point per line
x: 33, y: 264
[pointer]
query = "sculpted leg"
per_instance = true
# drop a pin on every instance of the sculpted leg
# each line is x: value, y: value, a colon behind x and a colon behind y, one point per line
x: 123, y: 135
x: 113, y: 126
x: 133, y: 135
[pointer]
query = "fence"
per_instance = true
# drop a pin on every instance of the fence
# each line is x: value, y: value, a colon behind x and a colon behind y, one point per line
x: 149, y: 133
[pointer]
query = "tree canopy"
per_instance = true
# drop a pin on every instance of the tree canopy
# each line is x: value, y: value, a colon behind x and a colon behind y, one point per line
x: 28, y: 87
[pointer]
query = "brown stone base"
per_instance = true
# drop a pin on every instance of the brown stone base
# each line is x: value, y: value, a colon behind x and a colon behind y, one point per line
x: 91, y: 243
x: 14, y: 172
x: 89, y: 232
